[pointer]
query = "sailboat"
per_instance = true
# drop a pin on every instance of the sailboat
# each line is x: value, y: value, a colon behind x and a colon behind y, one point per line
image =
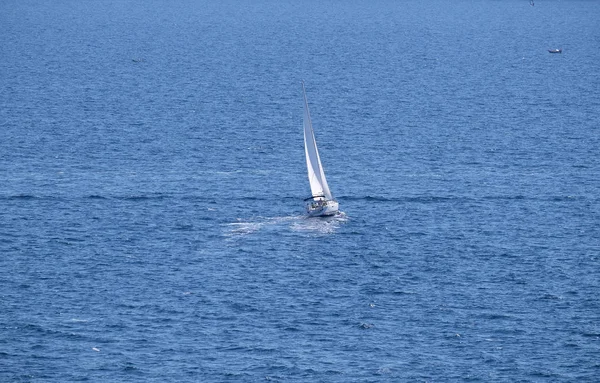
x: 321, y: 203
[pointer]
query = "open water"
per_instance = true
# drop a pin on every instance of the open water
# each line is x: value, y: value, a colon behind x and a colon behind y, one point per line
x: 152, y: 175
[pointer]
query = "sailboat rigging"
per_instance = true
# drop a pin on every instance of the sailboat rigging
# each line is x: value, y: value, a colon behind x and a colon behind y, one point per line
x: 322, y: 202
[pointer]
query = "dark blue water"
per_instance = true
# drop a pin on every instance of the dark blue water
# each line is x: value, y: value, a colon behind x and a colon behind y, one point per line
x: 152, y: 175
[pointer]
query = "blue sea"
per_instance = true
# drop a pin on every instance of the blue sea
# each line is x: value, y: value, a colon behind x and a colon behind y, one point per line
x: 152, y: 177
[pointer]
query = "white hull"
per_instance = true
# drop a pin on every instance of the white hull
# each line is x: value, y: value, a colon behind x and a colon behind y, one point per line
x: 322, y: 208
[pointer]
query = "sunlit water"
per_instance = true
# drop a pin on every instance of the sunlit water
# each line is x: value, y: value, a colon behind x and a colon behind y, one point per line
x: 152, y: 178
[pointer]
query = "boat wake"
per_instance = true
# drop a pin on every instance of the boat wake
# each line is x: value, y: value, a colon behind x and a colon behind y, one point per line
x: 290, y: 224
x: 320, y: 225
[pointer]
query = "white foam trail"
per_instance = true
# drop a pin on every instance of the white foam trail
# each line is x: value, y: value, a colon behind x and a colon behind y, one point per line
x: 294, y: 223
x: 326, y: 225
x: 244, y: 228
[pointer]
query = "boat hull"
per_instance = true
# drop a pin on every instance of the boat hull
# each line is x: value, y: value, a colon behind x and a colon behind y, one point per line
x: 322, y: 209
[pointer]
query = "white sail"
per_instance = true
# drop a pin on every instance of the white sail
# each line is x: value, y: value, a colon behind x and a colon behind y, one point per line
x: 316, y: 176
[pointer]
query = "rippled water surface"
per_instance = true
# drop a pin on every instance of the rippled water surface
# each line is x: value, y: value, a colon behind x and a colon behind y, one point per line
x: 152, y: 175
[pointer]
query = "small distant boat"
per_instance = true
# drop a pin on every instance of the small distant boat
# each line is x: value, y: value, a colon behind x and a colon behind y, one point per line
x: 321, y: 203
x: 555, y: 50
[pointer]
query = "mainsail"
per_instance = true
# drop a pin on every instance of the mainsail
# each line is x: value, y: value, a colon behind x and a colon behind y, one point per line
x: 316, y: 176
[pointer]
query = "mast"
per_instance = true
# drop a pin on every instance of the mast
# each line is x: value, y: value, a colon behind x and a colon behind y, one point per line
x: 316, y: 175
